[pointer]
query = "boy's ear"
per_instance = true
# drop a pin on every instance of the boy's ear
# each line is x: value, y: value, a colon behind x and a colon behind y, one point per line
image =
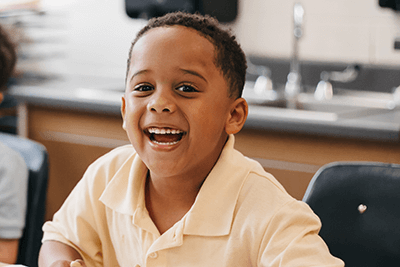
x: 237, y: 116
x: 123, y: 110
x: 1, y: 97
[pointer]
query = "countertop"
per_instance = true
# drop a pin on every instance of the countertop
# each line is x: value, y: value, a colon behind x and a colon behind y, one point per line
x: 99, y: 94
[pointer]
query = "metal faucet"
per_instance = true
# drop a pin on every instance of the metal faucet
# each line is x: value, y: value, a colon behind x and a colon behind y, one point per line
x: 293, y: 83
x: 263, y: 86
x: 324, y: 89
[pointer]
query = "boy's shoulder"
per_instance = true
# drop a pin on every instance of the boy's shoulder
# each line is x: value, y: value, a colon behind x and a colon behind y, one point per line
x: 259, y: 183
x: 262, y: 190
x: 259, y: 175
x: 256, y: 172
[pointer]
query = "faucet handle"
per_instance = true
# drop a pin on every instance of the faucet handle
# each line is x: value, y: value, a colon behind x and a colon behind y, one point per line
x: 324, y: 90
x: 263, y: 87
x: 345, y: 76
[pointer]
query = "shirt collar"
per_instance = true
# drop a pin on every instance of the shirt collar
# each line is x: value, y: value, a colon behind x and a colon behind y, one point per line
x: 125, y: 192
x: 213, y: 210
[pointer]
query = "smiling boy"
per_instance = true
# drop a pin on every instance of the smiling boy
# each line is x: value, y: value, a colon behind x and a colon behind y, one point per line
x: 178, y: 114
x: 181, y: 195
x: 13, y: 170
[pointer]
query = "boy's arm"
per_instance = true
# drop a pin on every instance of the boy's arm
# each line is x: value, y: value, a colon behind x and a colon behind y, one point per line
x: 8, y: 250
x: 57, y: 254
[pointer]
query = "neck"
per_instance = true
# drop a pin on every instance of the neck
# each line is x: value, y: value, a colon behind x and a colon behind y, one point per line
x: 170, y: 197
x: 174, y: 189
x: 183, y: 186
x: 168, y: 200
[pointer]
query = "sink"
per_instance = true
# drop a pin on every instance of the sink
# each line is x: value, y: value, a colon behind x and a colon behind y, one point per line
x: 345, y: 104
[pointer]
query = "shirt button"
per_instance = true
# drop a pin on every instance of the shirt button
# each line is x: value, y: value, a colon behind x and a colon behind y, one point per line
x: 137, y: 265
x: 153, y: 255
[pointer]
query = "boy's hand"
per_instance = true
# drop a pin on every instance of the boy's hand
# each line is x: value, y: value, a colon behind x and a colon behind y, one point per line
x: 57, y: 254
x: 75, y: 263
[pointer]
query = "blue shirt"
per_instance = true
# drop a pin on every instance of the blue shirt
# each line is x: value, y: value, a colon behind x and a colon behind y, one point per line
x: 13, y: 193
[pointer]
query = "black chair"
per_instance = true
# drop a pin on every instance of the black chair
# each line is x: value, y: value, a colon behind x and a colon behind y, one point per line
x: 359, y: 206
x: 8, y: 124
x: 36, y: 158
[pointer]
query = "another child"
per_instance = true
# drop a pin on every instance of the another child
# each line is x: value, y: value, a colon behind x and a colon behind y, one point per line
x: 13, y: 170
x: 181, y: 195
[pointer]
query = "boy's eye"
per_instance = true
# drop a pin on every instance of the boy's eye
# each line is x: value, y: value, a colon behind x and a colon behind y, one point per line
x: 186, y: 88
x: 143, y: 88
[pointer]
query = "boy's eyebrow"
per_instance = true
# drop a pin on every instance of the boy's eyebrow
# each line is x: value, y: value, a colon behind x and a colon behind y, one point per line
x: 138, y: 73
x: 192, y: 72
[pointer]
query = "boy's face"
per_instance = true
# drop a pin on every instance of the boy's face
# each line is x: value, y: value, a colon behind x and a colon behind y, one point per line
x: 176, y: 103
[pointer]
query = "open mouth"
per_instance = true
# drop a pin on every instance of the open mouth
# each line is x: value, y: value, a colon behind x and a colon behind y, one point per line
x: 165, y: 136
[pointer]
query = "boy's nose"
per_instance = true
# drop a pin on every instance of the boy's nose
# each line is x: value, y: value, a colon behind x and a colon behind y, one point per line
x: 161, y: 102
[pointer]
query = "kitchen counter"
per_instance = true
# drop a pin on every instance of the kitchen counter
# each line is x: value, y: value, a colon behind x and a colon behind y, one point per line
x: 96, y: 94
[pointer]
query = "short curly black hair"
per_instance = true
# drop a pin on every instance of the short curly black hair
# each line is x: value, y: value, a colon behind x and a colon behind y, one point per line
x: 8, y: 58
x: 229, y: 56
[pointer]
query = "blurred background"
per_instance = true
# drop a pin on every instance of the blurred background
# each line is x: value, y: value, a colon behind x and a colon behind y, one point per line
x: 94, y: 36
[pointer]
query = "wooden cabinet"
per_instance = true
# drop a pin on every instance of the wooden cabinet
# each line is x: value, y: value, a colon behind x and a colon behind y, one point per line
x: 74, y: 139
x: 294, y: 158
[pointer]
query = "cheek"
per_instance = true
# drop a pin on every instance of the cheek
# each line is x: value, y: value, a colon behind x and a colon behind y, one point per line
x: 210, y: 118
x: 131, y: 118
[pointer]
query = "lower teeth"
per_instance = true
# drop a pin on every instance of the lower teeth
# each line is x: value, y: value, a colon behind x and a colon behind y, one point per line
x: 165, y: 143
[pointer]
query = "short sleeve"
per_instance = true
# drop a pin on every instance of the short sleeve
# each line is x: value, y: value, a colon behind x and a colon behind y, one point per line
x: 292, y: 239
x: 81, y: 222
x: 76, y: 222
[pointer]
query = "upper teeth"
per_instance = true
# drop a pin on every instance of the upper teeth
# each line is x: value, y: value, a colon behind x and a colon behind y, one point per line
x: 164, y: 131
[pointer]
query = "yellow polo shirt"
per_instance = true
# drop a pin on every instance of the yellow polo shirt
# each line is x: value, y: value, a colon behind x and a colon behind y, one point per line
x: 241, y: 217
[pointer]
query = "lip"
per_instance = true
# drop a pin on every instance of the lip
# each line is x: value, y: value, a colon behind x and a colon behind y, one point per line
x: 151, y: 131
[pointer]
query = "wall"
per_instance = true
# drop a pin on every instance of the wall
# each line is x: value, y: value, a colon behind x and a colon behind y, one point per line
x: 95, y: 34
x: 339, y: 30
x: 98, y: 33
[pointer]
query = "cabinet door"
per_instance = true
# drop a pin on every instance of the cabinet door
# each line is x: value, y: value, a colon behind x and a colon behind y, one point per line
x: 73, y: 140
